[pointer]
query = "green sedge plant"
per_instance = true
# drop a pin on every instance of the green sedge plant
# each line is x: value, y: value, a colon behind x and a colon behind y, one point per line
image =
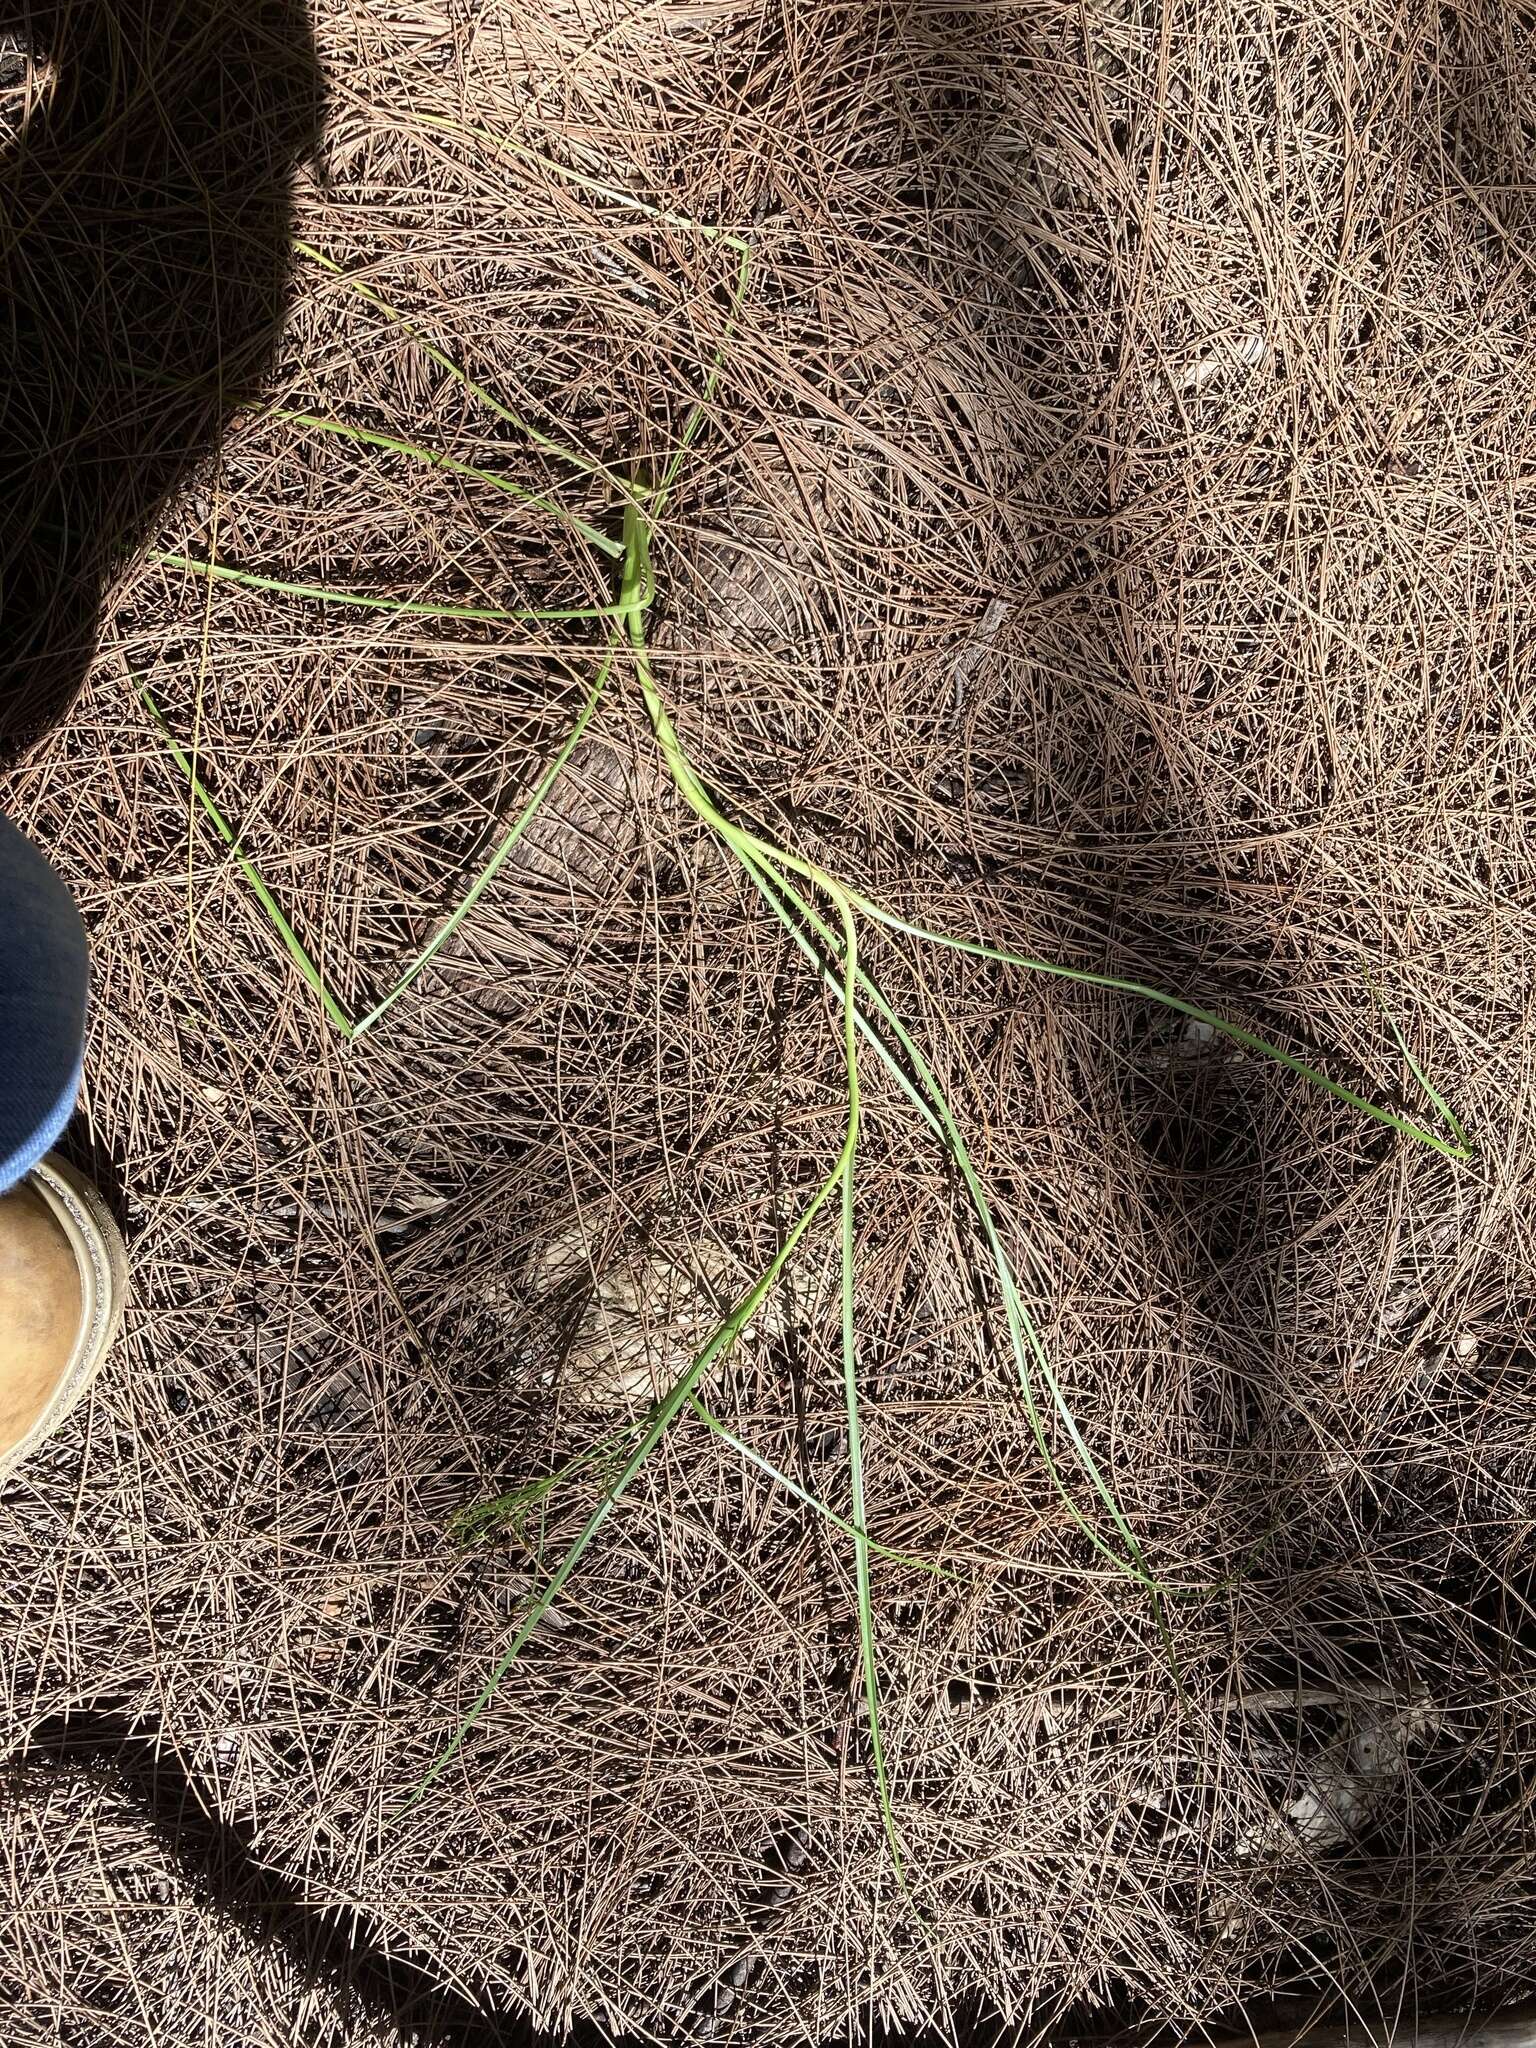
x: 822, y: 915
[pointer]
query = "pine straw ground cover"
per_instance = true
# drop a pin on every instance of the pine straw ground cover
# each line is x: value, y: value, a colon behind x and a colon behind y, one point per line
x: 1107, y: 538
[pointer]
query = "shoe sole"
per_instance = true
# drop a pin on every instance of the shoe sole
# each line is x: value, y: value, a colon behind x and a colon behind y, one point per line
x: 102, y: 1264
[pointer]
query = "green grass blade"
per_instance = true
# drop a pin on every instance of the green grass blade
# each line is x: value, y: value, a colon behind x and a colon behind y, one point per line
x: 743, y: 1450
x: 226, y: 572
x: 504, y: 848
x: 484, y: 1518
x: 866, y: 1607
x: 847, y: 1290
x: 584, y: 465
x: 656, y: 1426
x: 1144, y: 992
x: 368, y: 437
x: 1431, y: 1092
x: 285, y: 931
x: 1024, y: 1336
x: 928, y: 1097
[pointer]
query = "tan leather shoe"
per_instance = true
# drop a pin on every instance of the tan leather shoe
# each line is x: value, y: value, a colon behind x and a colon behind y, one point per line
x: 63, y: 1285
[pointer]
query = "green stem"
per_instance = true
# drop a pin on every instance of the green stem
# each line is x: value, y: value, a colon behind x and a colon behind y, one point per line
x: 583, y: 465
x: 285, y: 931
x: 505, y: 846
x: 420, y: 608
x: 764, y: 1465
x: 1120, y: 985
x: 392, y: 444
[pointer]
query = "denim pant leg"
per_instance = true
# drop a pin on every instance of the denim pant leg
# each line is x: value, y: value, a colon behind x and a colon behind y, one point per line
x: 43, y: 974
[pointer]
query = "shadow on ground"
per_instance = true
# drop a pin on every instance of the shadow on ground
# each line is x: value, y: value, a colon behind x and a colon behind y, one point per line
x: 336, y: 1952
x: 218, y: 1863
x: 145, y: 247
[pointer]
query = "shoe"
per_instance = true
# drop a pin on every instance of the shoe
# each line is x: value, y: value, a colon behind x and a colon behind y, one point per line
x: 63, y: 1287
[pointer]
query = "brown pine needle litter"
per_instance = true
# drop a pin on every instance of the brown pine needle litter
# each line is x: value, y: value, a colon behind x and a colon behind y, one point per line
x: 734, y: 479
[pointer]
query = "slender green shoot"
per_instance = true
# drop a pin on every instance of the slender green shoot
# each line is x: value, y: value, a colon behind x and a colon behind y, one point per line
x: 1442, y: 1108
x: 584, y: 465
x: 1458, y: 1149
x: 744, y: 1450
x: 868, y: 1661
x: 418, y: 608
x: 285, y: 931
x: 392, y: 444
x: 504, y: 849
x: 456, y: 916
x: 905, y: 1061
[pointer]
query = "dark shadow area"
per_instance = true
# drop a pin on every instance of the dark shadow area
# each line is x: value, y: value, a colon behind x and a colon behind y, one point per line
x: 339, y: 1954
x: 1355, y: 1579
x: 145, y: 250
